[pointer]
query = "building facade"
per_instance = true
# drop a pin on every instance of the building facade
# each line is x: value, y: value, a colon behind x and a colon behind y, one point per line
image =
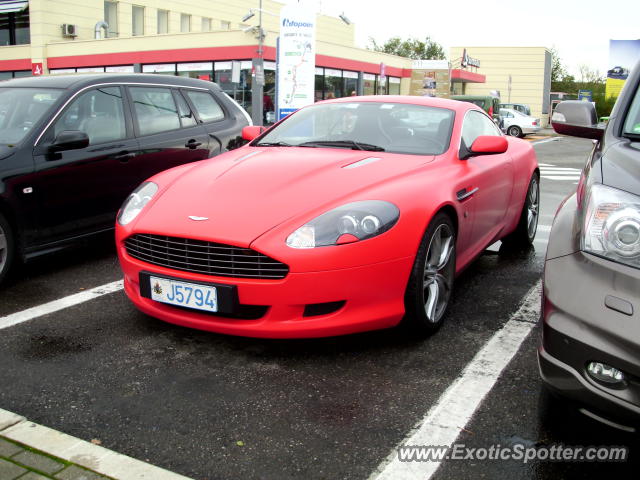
x: 206, y: 39
x: 519, y: 74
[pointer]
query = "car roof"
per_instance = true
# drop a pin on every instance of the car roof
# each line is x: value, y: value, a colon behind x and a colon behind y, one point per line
x: 80, y: 80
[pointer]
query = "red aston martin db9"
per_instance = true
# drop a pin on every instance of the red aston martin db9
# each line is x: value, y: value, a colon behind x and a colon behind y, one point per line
x: 349, y: 215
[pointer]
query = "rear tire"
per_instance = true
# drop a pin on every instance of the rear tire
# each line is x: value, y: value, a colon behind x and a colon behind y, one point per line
x: 515, y: 131
x: 525, y: 232
x: 431, y: 281
x: 7, y: 248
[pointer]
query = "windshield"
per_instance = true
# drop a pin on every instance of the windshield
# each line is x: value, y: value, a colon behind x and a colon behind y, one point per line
x: 632, y: 123
x: 375, y: 126
x: 21, y: 109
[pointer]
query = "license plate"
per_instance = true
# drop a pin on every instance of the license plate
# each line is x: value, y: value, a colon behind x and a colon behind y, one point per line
x: 184, y: 294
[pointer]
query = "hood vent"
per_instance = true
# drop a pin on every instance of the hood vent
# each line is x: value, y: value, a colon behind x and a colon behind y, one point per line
x: 363, y: 162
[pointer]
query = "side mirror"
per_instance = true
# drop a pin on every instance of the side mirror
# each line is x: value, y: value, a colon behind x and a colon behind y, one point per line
x: 485, y: 145
x: 69, y: 140
x: 251, y: 132
x: 576, y: 118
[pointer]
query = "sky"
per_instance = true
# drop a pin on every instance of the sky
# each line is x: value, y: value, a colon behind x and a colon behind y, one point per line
x: 579, y: 30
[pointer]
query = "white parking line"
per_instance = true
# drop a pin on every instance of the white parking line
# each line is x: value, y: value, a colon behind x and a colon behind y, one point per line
x: 546, y: 140
x: 445, y: 420
x: 60, y: 304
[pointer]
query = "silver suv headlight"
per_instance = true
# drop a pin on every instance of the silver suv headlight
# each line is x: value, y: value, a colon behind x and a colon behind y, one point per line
x: 136, y: 202
x: 612, y: 225
x: 346, y: 224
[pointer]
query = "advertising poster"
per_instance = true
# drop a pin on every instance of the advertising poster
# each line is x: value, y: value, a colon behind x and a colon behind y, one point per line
x: 296, y: 58
x: 623, y: 56
x: 430, y: 78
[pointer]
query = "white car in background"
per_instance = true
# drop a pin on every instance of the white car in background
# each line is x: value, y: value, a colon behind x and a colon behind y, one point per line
x: 517, y: 124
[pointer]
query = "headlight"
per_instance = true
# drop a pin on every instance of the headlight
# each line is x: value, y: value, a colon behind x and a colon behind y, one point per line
x: 136, y: 202
x: 612, y: 225
x: 348, y: 223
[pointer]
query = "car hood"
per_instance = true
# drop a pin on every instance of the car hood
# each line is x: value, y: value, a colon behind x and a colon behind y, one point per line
x: 245, y: 193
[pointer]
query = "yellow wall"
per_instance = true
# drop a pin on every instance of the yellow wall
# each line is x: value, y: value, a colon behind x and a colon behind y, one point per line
x: 526, y: 65
x: 49, y: 15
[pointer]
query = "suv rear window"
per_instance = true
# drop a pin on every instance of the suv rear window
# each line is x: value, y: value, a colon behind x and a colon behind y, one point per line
x: 206, y: 106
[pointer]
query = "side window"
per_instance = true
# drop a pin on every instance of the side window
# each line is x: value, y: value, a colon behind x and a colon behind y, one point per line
x: 187, y: 118
x: 476, y: 124
x: 155, y: 109
x: 206, y: 106
x: 99, y: 113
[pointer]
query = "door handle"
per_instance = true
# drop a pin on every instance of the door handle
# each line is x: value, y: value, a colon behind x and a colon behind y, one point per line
x: 124, y: 157
x: 464, y: 194
x: 192, y: 144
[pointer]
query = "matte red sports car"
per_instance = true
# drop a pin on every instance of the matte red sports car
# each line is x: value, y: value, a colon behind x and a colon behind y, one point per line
x: 349, y: 215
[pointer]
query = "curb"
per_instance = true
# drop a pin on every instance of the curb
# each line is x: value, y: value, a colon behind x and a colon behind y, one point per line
x: 71, y: 449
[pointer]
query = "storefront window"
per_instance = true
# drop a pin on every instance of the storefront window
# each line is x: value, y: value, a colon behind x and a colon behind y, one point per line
x: 240, y: 89
x: 333, y: 84
x: 14, y: 28
x: 90, y: 70
x: 319, y: 88
x: 269, y: 101
x: 369, y: 84
x: 350, y: 83
x: 394, y: 86
x: 381, y: 85
x: 6, y: 75
x: 120, y: 69
x: 161, y: 68
x: 203, y: 71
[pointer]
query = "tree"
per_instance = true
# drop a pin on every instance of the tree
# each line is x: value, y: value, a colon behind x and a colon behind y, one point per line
x: 410, y: 48
x: 558, y: 72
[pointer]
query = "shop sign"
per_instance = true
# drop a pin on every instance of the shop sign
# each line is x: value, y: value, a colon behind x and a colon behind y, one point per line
x: 36, y: 69
x: 467, y: 61
x: 585, y: 95
x: 296, y: 58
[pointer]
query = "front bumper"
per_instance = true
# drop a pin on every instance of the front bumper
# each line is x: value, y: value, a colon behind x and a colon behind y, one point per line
x: 373, y: 297
x: 579, y: 324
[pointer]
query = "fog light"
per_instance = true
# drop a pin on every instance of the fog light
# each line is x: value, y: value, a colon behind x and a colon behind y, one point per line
x: 604, y: 373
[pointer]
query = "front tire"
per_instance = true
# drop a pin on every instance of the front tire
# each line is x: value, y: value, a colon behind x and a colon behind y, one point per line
x: 7, y: 248
x: 515, y: 131
x: 431, y: 282
x: 525, y: 232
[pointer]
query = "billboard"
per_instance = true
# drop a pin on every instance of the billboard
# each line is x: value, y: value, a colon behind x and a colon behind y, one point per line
x: 296, y: 59
x: 430, y: 78
x: 623, y: 55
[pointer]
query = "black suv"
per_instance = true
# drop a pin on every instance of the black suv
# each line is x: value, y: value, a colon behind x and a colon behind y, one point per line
x: 72, y: 148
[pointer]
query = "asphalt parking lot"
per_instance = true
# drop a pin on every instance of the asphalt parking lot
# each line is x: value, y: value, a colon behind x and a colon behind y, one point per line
x: 210, y: 406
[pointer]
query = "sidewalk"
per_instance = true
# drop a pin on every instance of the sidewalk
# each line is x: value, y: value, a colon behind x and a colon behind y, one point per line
x: 29, y: 451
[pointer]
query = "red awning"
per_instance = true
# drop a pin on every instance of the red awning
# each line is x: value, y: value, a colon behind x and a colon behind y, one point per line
x: 465, y: 76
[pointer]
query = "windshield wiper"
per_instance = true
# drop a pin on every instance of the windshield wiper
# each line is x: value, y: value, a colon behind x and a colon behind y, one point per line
x: 343, y: 143
x: 273, y: 144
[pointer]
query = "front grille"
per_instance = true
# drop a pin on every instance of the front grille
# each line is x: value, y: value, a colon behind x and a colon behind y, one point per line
x: 203, y: 257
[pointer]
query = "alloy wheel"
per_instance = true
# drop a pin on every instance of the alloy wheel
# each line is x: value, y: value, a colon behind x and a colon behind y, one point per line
x: 533, y: 201
x: 438, y: 279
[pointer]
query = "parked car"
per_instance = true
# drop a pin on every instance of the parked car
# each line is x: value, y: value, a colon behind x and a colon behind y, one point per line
x: 520, y: 107
x: 590, y: 349
x: 73, y: 147
x: 347, y: 216
x: 518, y: 124
x: 488, y: 103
